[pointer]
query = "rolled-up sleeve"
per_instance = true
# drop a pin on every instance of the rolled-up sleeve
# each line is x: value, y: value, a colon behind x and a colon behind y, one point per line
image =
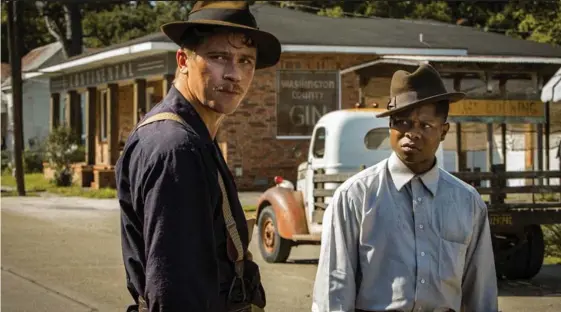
x: 335, y: 283
x: 479, y: 286
x: 181, y: 266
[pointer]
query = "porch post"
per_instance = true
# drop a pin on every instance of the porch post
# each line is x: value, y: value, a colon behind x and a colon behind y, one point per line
x: 166, y: 84
x: 460, y: 155
x: 490, y: 147
x: 113, y: 124
x: 90, y: 108
x: 502, y: 89
x: 54, y: 120
x: 139, y: 98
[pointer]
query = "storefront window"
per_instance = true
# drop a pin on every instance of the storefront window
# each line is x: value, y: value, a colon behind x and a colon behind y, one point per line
x: 103, y: 114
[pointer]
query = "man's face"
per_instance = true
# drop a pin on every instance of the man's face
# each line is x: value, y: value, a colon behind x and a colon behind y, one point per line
x: 416, y: 134
x: 220, y: 71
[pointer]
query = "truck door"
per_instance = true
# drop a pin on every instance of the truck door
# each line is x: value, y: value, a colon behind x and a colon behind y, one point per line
x: 316, y: 160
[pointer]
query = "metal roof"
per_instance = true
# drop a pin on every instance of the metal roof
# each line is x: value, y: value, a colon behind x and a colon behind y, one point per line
x: 301, y: 29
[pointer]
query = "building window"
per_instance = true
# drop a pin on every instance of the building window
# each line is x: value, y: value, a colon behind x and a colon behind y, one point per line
x: 62, y: 110
x: 319, y: 143
x: 83, y: 117
x: 378, y: 138
x: 104, y: 111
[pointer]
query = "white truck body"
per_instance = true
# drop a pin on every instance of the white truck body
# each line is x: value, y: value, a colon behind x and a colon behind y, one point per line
x: 342, y: 142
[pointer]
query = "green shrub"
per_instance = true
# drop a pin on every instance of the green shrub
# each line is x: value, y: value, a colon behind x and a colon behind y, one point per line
x: 61, y: 151
x: 5, y: 161
x: 33, y: 161
x: 552, y: 237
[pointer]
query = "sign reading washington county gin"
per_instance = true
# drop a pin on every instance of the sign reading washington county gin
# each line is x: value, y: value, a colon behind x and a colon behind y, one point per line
x: 302, y: 98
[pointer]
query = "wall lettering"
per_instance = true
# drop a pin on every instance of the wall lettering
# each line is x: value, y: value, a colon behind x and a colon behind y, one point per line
x: 303, y: 97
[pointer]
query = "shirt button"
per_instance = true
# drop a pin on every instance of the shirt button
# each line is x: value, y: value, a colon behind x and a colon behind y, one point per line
x: 422, y: 253
x: 419, y: 199
x: 421, y: 226
x: 422, y: 281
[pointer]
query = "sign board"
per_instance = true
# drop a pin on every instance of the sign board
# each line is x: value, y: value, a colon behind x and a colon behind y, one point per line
x: 497, y: 111
x: 133, y: 69
x: 303, y: 97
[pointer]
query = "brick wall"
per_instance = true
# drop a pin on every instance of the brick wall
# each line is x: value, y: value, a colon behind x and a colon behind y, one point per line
x: 250, y: 133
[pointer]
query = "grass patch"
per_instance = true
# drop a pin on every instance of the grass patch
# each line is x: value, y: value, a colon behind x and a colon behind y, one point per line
x: 552, y: 260
x: 249, y: 208
x: 35, y: 183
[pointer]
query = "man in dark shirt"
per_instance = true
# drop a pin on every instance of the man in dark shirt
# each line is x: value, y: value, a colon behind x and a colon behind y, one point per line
x: 174, y: 237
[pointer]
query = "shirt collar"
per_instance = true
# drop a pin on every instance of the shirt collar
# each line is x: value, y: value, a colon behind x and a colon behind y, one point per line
x: 401, y: 174
x: 181, y: 106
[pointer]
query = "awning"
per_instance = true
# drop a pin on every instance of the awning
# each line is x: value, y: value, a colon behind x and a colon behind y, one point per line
x: 551, y: 91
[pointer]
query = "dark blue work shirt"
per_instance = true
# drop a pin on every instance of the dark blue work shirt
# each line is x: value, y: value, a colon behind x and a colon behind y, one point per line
x: 173, y: 229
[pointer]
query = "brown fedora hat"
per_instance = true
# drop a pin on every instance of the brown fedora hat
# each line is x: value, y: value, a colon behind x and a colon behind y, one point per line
x: 231, y: 14
x: 423, y: 86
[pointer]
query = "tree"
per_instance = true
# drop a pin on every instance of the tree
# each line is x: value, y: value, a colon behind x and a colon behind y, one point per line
x: 35, y: 34
x: 532, y: 20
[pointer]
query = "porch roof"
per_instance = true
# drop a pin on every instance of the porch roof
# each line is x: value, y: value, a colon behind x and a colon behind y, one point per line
x: 551, y: 91
x: 306, y: 33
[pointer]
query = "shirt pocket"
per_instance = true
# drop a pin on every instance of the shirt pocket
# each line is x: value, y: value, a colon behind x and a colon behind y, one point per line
x: 451, y: 262
x: 453, y: 221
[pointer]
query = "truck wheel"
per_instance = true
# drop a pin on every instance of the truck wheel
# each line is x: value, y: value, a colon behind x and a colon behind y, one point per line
x: 273, y: 248
x: 528, y: 260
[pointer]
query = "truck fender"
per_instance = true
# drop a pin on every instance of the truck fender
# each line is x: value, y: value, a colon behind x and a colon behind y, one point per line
x: 288, y: 206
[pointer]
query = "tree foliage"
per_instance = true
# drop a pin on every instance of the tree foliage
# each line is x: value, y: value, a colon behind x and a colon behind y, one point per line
x: 532, y: 20
x: 105, y: 23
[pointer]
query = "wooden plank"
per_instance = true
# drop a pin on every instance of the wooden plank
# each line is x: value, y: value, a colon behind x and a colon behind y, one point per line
x: 320, y: 205
x: 323, y: 193
x: 510, y: 206
x: 317, y: 216
x: 466, y: 175
x: 519, y: 189
x: 334, y: 178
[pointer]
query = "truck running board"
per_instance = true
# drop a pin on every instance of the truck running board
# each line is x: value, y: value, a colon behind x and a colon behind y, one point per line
x: 306, y: 237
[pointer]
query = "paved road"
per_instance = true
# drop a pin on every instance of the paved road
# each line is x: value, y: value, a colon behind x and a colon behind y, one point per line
x: 64, y: 255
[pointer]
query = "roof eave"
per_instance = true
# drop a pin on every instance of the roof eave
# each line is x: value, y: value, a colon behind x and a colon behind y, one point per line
x: 478, y: 59
x: 305, y: 48
x: 127, y: 52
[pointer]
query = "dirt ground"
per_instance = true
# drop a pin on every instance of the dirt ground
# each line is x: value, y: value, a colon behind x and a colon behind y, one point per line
x: 64, y: 255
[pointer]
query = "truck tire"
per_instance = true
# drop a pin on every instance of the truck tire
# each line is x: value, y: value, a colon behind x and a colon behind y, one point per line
x: 273, y: 247
x: 528, y: 260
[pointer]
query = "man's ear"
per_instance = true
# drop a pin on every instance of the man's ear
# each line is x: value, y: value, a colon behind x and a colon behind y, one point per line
x: 445, y: 129
x: 182, y: 61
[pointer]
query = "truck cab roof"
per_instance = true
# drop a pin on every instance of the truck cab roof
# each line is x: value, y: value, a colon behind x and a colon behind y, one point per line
x: 350, y: 138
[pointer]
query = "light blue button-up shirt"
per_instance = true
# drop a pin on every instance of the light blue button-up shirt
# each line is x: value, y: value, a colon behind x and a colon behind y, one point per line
x: 396, y: 241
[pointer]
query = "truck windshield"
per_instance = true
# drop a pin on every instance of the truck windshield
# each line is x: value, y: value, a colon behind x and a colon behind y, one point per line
x: 378, y: 138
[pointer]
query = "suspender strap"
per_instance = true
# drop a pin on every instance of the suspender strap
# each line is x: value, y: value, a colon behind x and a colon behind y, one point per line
x: 162, y: 116
x: 226, y: 208
x: 232, y: 229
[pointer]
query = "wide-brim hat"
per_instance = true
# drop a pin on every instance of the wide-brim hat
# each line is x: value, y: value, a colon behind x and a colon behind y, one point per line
x: 424, y: 85
x: 230, y: 14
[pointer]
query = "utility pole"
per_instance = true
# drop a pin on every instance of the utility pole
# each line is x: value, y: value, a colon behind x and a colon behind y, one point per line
x: 15, y: 16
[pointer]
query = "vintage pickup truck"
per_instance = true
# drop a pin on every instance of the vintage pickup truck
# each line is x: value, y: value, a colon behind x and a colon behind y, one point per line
x: 346, y: 141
